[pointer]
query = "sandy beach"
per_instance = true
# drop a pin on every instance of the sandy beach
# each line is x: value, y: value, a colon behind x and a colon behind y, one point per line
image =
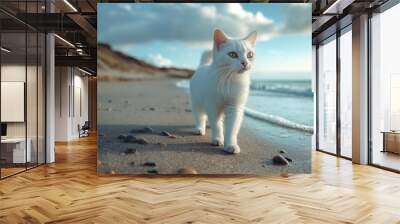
x: 158, y: 104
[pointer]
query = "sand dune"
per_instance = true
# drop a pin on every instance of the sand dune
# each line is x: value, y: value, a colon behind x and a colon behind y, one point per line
x: 113, y: 65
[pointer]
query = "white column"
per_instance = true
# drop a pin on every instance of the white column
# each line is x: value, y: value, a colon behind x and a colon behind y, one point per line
x: 50, y: 92
x: 50, y: 99
x: 360, y: 90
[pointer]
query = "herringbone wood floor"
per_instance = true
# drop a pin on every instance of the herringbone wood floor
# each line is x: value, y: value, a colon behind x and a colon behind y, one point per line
x: 69, y: 191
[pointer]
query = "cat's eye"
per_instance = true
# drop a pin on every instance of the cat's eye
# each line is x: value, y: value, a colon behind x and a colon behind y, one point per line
x: 233, y: 54
x: 250, y: 55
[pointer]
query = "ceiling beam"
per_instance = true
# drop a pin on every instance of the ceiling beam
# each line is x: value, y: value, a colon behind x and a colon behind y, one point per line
x: 84, y: 24
x: 77, y: 61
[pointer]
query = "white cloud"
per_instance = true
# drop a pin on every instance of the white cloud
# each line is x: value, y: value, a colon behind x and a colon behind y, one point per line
x: 159, y: 60
x: 298, y: 18
x: 191, y: 23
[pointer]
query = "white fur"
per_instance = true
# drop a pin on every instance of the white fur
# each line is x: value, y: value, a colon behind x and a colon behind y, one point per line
x: 219, y: 89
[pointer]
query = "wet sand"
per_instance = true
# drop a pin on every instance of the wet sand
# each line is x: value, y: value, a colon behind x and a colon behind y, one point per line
x: 160, y: 105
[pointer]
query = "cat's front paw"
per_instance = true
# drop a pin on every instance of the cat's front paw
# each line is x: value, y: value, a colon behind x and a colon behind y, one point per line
x: 199, y: 131
x: 234, y: 149
x: 217, y: 142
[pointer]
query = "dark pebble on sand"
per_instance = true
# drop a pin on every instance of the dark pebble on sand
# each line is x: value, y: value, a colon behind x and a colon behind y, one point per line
x: 143, y: 130
x: 148, y: 130
x: 286, y: 175
x: 130, y: 138
x: 130, y: 151
x: 288, y: 159
x: 141, y: 141
x: 152, y: 171
x: 280, y: 160
x: 165, y: 133
x: 149, y: 164
x: 121, y: 137
x: 110, y: 101
x: 282, y: 151
x: 133, y: 139
x: 187, y: 170
x: 152, y: 108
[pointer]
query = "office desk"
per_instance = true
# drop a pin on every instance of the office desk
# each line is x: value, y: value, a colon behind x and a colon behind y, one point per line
x: 15, y: 148
x: 391, y: 141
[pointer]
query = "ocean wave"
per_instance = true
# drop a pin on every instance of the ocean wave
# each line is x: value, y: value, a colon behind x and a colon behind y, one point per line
x: 273, y: 119
x: 290, y: 89
x: 277, y: 120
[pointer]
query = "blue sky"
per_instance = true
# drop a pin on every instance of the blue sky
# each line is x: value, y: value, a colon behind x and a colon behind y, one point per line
x: 177, y: 34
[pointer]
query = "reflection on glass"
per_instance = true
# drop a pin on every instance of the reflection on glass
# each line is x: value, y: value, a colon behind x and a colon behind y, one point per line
x: 327, y: 96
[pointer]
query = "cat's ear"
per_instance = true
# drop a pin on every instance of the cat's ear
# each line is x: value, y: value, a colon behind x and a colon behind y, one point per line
x: 219, y: 38
x: 251, y: 38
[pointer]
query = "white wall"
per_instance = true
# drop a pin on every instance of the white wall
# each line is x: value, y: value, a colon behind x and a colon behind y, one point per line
x: 62, y: 81
x: 70, y: 82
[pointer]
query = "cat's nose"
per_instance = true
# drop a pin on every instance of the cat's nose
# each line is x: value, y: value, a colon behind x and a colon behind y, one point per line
x: 244, y: 64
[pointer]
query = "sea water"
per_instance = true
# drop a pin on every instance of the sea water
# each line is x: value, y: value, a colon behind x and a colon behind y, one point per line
x: 279, y: 110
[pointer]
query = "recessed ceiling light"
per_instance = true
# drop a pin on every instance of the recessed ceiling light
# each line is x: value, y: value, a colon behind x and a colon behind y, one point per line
x: 338, y: 6
x: 84, y: 71
x: 70, y: 5
x: 64, y: 40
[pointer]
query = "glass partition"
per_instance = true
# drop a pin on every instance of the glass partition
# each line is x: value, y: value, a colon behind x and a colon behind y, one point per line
x: 14, y: 151
x: 327, y: 96
x: 23, y: 91
x: 385, y: 89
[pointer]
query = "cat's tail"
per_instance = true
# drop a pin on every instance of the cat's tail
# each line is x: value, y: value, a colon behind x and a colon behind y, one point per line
x: 206, y: 57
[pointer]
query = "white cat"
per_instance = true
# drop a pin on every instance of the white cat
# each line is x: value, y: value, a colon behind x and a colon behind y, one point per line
x: 220, y: 86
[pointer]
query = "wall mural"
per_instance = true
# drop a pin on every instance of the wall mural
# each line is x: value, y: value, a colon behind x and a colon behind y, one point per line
x: 204, y: 88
